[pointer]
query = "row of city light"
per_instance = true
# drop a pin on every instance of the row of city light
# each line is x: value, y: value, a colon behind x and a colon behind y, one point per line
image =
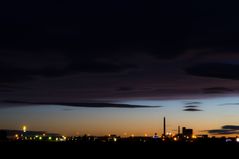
x: 63, y: 138
x: 40, y: 137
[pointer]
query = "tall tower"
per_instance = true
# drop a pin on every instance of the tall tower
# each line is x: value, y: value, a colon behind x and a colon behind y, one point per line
x: 164, y: 126
x: 178, y: 130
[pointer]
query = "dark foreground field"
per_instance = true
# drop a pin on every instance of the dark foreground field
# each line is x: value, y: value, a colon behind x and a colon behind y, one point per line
x: 123, y: 150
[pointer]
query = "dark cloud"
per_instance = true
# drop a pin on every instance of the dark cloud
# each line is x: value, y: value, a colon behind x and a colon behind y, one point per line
x: 87, y: 105
x: 98, y: 67
x: 13, y: 73
x: 98, y: 28
x: 192, y: 110
x: 171, y: 53
x: 67, y: 109
x: 229, y: 104
x: 105, y: 45
x: 231, y: 127
x: 10, y: 74
x: 193, y: 103
x: 222, y: 132
x: 25, y: 72
x: 6, y: 91
x: 215, y: 70
x: 116, y: 25
x: 225, y: 130
x: 125, y: 89
x: 11, y: 88
x: 191, y: 106
x: 217, y: 90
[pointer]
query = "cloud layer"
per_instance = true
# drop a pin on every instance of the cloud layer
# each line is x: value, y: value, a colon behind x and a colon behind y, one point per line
x: 87, y: 105
x: 217, y: 90
x: 192, y: 110
x: 215, y: 70
x: 225, y: 130
x: 92, y: 50
x: 192, y: 106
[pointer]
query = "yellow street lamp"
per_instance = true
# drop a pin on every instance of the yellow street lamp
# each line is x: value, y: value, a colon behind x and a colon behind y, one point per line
x: 24, y: 128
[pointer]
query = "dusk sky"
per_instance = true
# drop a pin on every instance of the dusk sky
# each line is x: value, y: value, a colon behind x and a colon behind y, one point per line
x: 119, y: 67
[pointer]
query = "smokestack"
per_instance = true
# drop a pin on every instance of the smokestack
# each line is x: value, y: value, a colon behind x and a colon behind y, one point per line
x: 164, y: 126
x: 178, y: 130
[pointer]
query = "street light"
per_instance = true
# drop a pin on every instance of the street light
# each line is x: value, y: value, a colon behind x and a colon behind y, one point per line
x: 24, y: 128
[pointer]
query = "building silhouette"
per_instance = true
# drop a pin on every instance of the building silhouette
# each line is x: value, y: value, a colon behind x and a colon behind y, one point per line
x: 188, y: 133
x: 3, y: 135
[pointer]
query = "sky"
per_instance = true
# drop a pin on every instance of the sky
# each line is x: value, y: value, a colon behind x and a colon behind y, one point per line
x: 119, y: 66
